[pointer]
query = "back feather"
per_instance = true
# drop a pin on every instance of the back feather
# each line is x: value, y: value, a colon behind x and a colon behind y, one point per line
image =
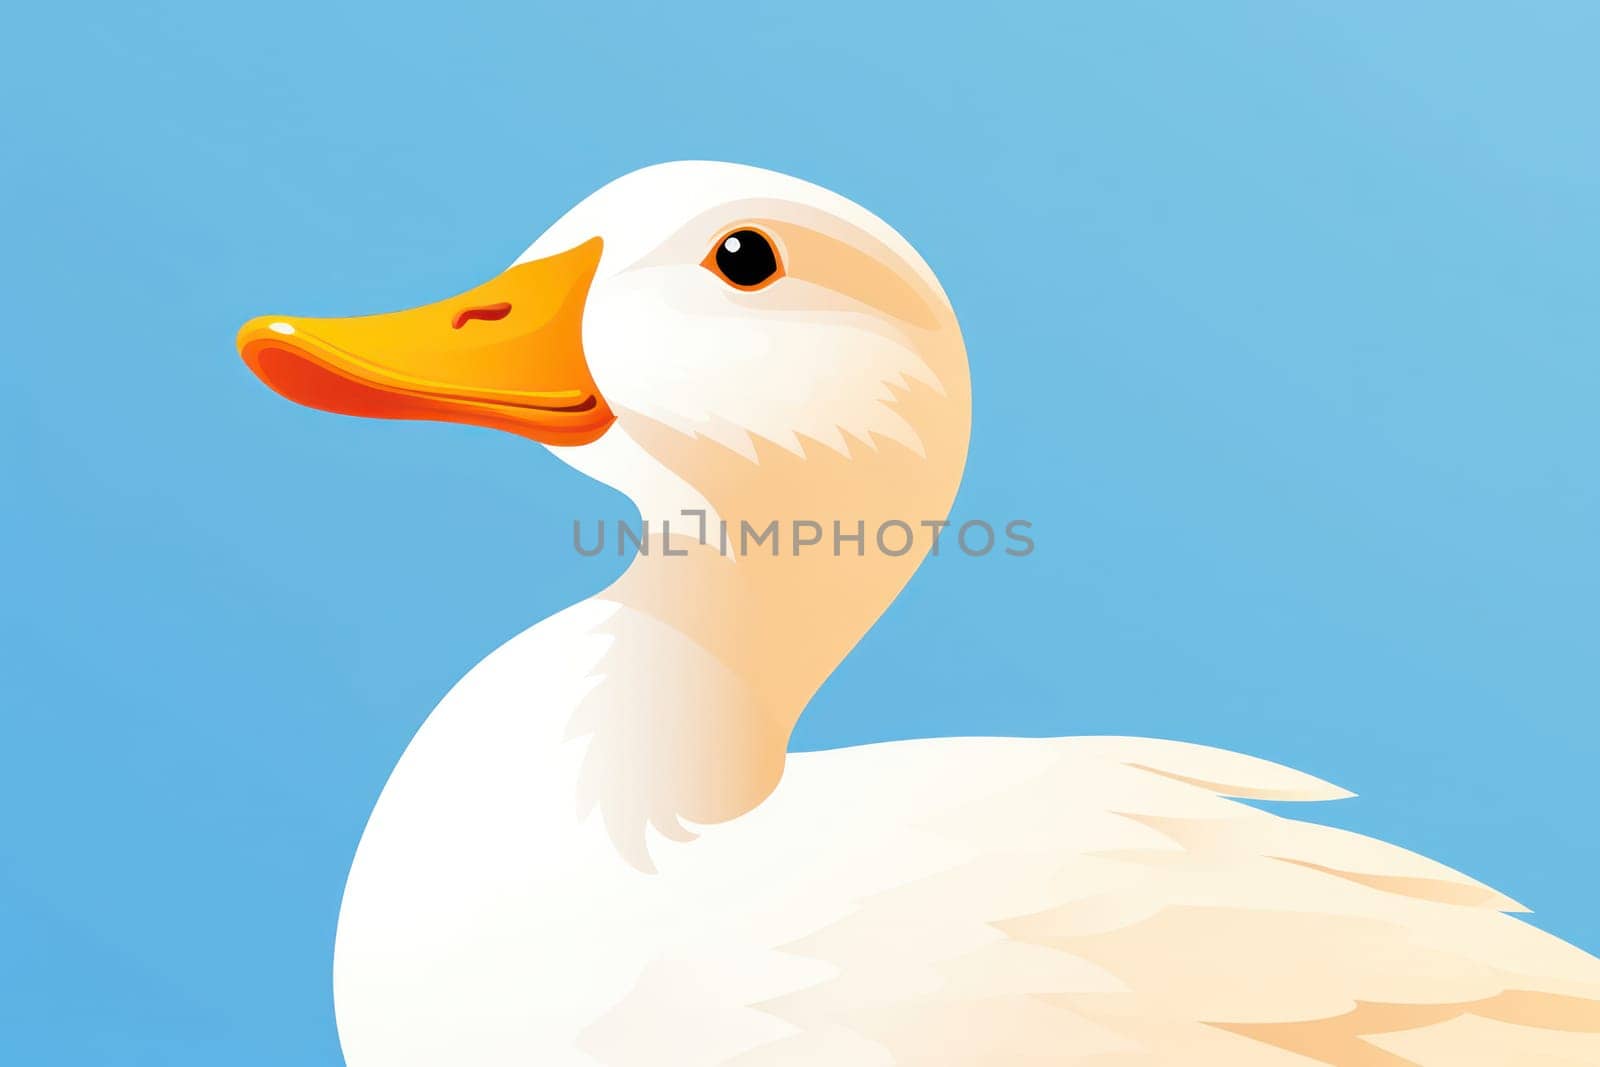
x: 1102, y: 901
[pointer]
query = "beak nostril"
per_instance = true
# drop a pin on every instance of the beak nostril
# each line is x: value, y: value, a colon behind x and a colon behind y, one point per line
x: 487, y: 312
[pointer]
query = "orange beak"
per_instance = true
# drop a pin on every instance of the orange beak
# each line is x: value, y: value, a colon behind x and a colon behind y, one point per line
x: 508, y: 355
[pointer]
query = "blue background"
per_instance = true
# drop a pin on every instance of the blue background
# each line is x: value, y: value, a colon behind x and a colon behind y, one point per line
x: 1284, y: 333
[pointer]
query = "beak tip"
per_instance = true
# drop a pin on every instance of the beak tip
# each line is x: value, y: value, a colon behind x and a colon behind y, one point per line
x: 262, y: 328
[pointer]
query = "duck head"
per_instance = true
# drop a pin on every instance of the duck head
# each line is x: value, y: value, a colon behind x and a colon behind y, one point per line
x: 680, y: 319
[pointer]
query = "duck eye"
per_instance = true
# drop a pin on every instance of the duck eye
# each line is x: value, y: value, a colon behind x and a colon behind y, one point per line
x: 745, y: 259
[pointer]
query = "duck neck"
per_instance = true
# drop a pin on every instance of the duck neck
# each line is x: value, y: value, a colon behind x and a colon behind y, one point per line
x: 711, y: 659
x: 719, y: 642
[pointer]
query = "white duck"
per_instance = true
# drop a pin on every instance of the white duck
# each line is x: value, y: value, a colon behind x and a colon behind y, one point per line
x: 716, y: 338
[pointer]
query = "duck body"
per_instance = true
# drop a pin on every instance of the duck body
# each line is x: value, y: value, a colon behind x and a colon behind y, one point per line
x: 1092, y: 900
x: 598, y: 850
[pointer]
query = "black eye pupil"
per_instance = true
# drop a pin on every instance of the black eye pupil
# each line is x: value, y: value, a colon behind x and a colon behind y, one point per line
x: 745, y: 257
